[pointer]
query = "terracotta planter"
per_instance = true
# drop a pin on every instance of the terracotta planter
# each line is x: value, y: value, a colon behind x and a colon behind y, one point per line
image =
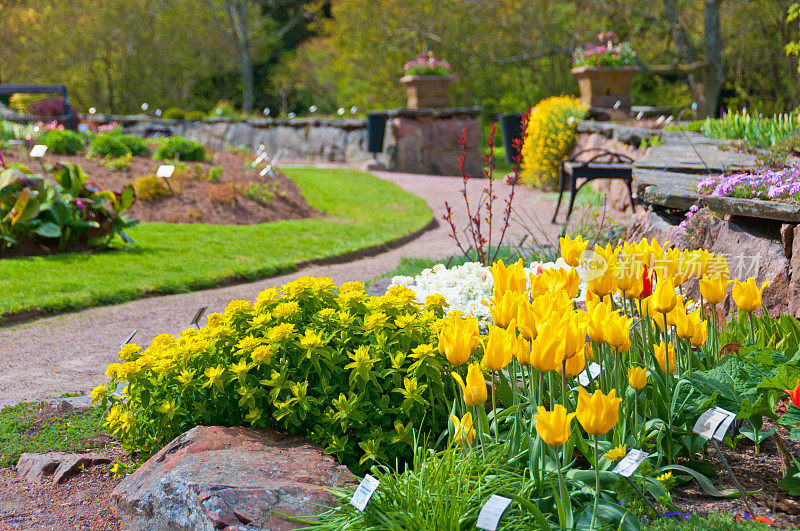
x: 602, y: 87
x: 427, y: 92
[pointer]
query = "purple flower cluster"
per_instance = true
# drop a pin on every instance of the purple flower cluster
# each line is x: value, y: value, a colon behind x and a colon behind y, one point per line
x: 768, y: 184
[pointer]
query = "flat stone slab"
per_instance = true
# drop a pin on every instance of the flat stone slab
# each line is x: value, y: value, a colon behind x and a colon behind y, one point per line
x: 56, y: 466
x: 702, y: 158
x: 237, y: 478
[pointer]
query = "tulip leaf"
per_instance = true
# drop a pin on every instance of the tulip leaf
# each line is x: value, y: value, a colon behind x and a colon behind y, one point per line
x: 616, y: 515
x: 704, y: 482
x: 48, y: 230
x: 541, y: 521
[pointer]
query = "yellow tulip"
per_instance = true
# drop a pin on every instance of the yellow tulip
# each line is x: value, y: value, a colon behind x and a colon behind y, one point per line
x: 504, y: 308
x: 684, y: 325
x: 664, y: 299
x: 571, y: 250
x: 628, y: 273
x: 596, y: 329
x: 526, y: 319
x: 464, y: 431
x: 598, y: 413
x: 573, y: 329
x: 523, y: 351
x: 554, y: 427
x: 617, y: 453
x: 498, y: 349
x: 574, y: 365
x: 637, y: 377
x: 714, y: 289
x: 555, y: 280
x: 547, y: 350
x: 459, y: 338
x: 700, y: 333
x: 475, y: 387
x: 618, y: 332
x: 661, y: 352
x: 747, y: 295
x: 603, y: 285
x: 507, y: 278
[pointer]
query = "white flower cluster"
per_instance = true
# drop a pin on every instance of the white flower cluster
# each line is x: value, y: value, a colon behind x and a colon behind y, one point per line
x: 465, y: 287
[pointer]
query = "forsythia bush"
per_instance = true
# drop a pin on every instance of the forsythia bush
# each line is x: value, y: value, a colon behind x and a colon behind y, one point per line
x: 356, y: 374
x: 550, y: 136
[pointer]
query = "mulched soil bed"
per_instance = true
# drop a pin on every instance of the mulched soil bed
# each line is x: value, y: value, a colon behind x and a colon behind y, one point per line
x: 196, y: 200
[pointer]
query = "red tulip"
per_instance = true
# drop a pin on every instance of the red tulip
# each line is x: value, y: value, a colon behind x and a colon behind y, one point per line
x: 795, y: 394
x: 647, y: 282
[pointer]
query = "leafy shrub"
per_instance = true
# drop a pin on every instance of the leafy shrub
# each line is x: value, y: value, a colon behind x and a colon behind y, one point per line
x: 108, y: 145
x: 195, y: 116
x: 225, y: 109
x: 136, y: 145
x: 62, y: 141
x: 354, y: 373
x: 261, y: 193
x: 149, y: 187
x: 224, y: 194
x: 178, y: 147
x: 174, y: 113
x: 214, y: 174
x: 22, y: 103
x: 550, y: 136
x: 68, y: 212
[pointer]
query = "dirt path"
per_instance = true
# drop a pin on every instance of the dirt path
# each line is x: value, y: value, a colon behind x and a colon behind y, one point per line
x: 70, y: 352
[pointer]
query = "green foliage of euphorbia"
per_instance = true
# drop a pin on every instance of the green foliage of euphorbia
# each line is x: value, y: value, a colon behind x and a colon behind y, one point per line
x: 354, y: 373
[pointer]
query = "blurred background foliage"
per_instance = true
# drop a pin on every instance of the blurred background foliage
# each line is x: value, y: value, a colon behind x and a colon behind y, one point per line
x: 508, y: 54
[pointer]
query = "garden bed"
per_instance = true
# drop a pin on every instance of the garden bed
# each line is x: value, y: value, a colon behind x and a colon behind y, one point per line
x: 220, y: 191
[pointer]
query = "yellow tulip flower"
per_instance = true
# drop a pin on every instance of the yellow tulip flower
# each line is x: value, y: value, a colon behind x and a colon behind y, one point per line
x: 464, y: 431
x: 575, y: 364
x: 554, y: 427
x: 603, y: 285
x: 598, y: 321
x: 617, y: 453
x: 714, y: 289
x: 547, y: 350
x: 637, y: 377
x: 571, y: 250
x: 684, y: 325
x: 747, y: 295
x: 526, y: 319
x: 598, y: 413
x: 504, y: 308
x: 573, y: 329
x: 475, y: 387
x: 665, y: 356
x: 555, y: 280
x: 523, y: 351
x: 664, y: 299
x: 498, y: 349
x: 459, y: 338
x: 700, y: 333
x: 618, y: 332
x: 507, y: 278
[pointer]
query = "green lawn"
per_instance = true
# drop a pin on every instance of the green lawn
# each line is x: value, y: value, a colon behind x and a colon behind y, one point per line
x: 360, y: 211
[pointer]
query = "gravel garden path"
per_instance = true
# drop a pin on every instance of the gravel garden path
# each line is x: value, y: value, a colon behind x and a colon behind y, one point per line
x: 69, y: 352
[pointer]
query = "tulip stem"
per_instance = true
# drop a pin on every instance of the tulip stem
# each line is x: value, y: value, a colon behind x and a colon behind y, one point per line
x: 596, y: 484
x: 636, y: 414
x: 494, y: 409
x: 562, y: 486
x: 752, y: 328
x: 479, y: 430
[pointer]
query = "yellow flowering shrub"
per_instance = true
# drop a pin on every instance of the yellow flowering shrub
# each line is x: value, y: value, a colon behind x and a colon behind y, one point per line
x: 354, y: 373
x: 550, y: 136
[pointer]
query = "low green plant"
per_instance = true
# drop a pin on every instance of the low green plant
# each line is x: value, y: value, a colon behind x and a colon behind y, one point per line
x: 15, y: 131
x: 261, y: 193
x: 713, y: 522
x: 180, y: 148
x: 194, y: 116
x: 225, y: 109
x: 213, y: 175
x: 354, y: 373
x: 135, y: 144
x: 21, y: 430
x: 759, y: 130
x: 174, y: 113
x: 62, y: 141
x: 108, y: 145
x: 695, y: 126
x: 122, y: 163
x: 653, y: 141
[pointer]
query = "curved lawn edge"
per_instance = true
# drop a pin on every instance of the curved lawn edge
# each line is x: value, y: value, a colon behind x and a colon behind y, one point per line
x: 363, y: 216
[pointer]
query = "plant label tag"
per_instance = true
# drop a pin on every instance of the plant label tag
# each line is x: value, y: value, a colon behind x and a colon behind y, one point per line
x: 38, y: 151
x: 165, y: 170
x: 198, y: 316
x: 491, y: 512
x: 590, y: 374
x: 706, y: 426
x: 258, y: 160
x: 128, y: 340
x: 630, y: 463
x: 723, y: 427
x: 364, y: 492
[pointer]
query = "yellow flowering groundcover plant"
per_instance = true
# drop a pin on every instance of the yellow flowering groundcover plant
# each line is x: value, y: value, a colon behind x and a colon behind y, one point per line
x: 354, y: 373
x: 550, y: 136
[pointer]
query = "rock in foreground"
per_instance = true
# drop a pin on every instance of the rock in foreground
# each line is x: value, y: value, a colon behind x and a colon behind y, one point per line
x: 237, y: 478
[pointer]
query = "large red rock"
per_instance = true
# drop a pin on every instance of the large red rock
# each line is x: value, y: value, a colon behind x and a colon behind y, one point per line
x: 217, y: 477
